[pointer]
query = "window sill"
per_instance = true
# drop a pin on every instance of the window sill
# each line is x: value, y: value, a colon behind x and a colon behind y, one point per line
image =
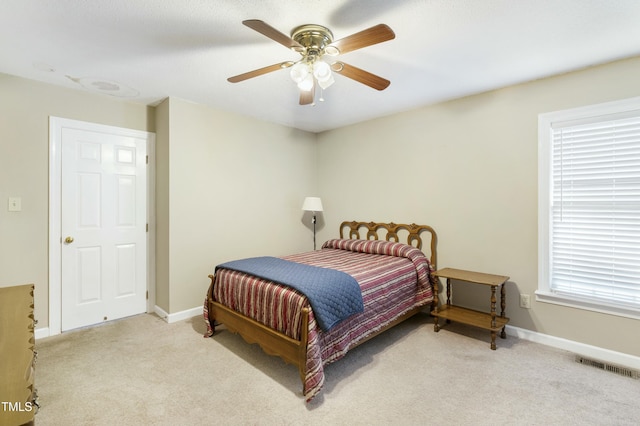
x: 578, y: 303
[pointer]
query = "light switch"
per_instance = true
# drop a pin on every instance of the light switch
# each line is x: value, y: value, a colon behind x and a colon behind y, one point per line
x: 15, y: 204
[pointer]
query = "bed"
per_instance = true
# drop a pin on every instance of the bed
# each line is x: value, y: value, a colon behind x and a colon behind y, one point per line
x: 394, y: 279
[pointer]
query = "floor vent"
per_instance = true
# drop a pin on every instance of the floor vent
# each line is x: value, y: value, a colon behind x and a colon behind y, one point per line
x: 622, y: 371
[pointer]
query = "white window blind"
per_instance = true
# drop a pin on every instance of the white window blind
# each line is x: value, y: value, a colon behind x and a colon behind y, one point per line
x: 595, y: 209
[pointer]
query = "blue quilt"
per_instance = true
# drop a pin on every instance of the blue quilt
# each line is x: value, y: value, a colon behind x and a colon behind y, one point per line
x: 333, y: 295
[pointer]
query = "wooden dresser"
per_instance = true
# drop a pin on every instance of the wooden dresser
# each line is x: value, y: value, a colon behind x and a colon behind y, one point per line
x: 17, y: 355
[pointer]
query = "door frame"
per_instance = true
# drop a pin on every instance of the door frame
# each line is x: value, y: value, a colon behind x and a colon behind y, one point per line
x: 56, y: 124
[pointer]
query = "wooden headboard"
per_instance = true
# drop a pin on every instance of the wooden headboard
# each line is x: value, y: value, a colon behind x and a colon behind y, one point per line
x: 389, y: 231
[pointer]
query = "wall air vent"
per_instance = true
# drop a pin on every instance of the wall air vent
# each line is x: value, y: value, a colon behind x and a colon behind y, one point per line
x: 622, y: 371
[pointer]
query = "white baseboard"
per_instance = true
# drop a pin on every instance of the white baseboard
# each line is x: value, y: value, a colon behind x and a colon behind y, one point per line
x: 178, y: 316
x: 594, y: 352
x: 41, y: 333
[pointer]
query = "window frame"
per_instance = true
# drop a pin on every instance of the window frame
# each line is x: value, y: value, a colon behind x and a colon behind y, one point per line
x: 545, y: 168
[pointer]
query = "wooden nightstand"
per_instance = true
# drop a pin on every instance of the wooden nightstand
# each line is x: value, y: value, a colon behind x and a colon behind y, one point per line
x: 485, y: 320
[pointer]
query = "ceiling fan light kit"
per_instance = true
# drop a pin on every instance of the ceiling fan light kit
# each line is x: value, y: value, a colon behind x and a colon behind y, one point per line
x: 314, y: 43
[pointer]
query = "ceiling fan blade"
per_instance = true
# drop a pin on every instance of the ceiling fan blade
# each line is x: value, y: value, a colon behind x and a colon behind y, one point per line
x: 275, y: 35
x: 364, y: 38
x: 307, y: 96
x: 360, y: 75
x: 259, y: 71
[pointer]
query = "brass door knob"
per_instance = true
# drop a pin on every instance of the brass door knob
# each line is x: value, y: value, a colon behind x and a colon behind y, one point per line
x: 68, y: 240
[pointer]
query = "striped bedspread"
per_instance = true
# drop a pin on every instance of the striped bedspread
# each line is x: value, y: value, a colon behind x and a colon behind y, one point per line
x: 333, y: 295
x: 394, y: 279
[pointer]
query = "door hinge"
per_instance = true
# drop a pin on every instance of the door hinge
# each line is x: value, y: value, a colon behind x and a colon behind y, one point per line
x: 147, y: 159
x: 147, y: 294
x: 147, y: 227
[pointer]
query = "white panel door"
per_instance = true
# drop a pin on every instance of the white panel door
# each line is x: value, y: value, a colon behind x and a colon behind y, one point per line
x: 103, y: 223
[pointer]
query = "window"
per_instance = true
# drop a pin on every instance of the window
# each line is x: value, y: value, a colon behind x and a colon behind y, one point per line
x: 589, y: 208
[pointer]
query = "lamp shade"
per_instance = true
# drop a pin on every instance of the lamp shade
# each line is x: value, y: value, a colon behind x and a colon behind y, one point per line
x: 312, y: 204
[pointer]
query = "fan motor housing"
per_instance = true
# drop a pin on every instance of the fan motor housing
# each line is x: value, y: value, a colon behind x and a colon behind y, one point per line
x: 313, y: 37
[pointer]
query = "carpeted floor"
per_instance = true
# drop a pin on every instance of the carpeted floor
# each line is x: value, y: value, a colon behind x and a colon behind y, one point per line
x: 143, y: 371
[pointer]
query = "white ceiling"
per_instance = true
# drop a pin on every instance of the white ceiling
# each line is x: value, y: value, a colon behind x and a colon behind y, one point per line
x: 147, y: 50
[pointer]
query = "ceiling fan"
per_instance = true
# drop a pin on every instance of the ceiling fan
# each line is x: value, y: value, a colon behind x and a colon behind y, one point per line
x: 315, y: 44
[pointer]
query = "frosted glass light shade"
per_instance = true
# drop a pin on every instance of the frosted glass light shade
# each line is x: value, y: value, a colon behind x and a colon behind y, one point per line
x: 307, y: 83
x: 321, y: 71
x: 326, y: 83
x: 312, y: 204
x: 299, y: 72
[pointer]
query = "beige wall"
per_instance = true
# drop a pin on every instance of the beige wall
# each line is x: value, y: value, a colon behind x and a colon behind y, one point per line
x: 469, y: 168
x: 25, y: 108
x: 236, y: 189
x: 226, y: 186
x: 230, y: 186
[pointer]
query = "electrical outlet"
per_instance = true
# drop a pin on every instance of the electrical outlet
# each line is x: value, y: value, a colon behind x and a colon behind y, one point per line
x: 525, y: 301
